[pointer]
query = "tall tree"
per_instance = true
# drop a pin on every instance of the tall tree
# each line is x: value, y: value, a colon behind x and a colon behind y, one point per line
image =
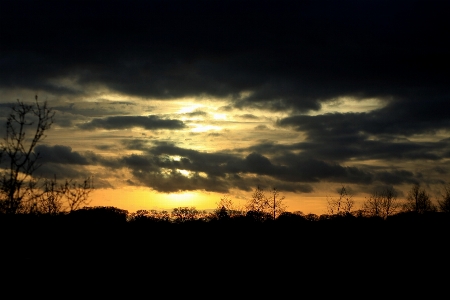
x: 277, y: 205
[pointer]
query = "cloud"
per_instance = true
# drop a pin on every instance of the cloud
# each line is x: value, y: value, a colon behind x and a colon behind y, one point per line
x: 197, y: 113
x: 59, y: 154
x: 261, y: 127
x: 276, y: 55
x: 374, y: 135
x: 150, y: 122
x: 249, y: 117
x: 167, y: 168
x: 55, y: 170
x: 290, y: 170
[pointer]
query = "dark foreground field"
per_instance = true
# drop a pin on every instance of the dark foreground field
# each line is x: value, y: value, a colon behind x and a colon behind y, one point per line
x: 340, y: 254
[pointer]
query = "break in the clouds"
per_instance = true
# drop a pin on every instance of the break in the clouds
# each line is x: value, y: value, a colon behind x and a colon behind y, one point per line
x: 285, y: 93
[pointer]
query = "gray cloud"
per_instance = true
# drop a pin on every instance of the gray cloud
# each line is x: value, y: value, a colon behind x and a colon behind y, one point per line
x: 122, y: 122
x: 56, y: 170
x: 197, y: 113
x: 60, y: 155
x: 287, y: 55
x: 249, y: 117
x: 289, y: 170
x: 365, y: 136
x: 159, y: 164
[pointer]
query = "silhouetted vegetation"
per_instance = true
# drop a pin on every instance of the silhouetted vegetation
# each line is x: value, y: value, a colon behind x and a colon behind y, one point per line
x: 342, y: 205
x: 21, y: 191
x: 418, y: 201
x: 382, y: 204
x: 21, y: 161
x: 444, y: 202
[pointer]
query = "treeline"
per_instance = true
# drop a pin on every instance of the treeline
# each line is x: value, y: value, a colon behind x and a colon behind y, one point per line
x: 186, y: 241
x: 110, y: 216
x: 89, y: 230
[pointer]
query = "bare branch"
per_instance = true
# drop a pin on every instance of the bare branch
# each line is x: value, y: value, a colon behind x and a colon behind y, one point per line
x: 17, y: 151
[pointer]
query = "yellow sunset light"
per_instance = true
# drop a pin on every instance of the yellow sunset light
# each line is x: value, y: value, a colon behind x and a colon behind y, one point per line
x: 203, y: 128
x: 189, y: 108
x: 183, y: 199
x: 184, y: 172
x: 220, y: 116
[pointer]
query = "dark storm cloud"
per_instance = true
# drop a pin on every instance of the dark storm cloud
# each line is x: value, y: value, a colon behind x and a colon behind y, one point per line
x: 96, y: 109
x: 62, y: 163
x: 396, y: 177
x: 284, y: 54
x: 373, y: 135
x: 60, y: 155
x: 122, y: 122
x: 51, y: 170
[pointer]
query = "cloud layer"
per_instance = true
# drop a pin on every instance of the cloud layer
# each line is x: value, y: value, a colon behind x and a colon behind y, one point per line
x: 277, y: 66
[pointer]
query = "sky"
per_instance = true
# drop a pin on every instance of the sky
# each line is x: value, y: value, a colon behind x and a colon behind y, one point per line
x: 179, y: 103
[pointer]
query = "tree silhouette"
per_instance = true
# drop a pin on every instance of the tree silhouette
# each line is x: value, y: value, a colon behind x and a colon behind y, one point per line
x: 418, y: 201
x: 67, y: 197
x: 382, y: 204
x: 184, y: 214
x: 272, y: 205
x: 226, y: 206
x: 77, y: 194
x: 149, y: 215
x: 277, y: 205
x: 444, y: 203
x: 343, y: 205
x: 18, y: 155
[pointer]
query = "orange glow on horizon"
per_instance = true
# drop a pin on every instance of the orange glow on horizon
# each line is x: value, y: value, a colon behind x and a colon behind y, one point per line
x: 133, y: 199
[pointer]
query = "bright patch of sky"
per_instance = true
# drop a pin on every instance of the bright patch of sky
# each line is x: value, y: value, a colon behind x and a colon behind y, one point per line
x: 349, y: 104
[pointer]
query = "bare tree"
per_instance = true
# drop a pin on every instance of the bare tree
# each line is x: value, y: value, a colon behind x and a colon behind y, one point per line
x: 261, y: 203
x: 277, y: 205
x: 382, y: 204
x: 19, y: 159
x: 19, y: 190
x: 53, y: 198
x: 226, y: 207
x: 418, y: 201
x: 444, y: 203
x: 77, y: 194
x: 343, y: 205
x: 50, y: 201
